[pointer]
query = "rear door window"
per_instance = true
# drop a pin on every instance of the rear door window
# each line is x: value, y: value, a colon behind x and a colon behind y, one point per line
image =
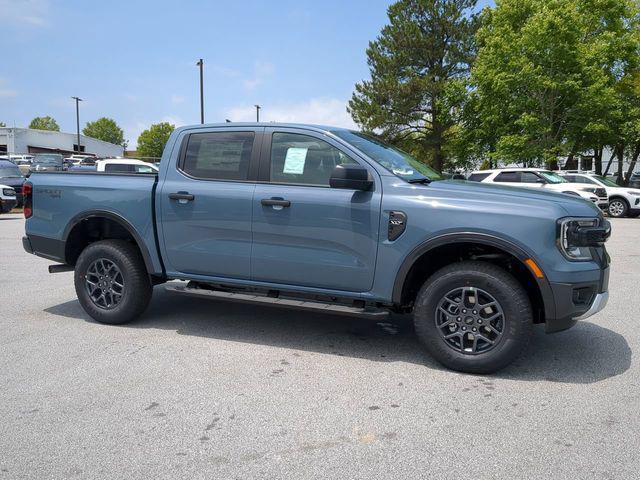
x: 219, y: 155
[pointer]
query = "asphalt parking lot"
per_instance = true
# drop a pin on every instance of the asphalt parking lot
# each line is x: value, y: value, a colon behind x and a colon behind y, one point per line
x: 199, y: 389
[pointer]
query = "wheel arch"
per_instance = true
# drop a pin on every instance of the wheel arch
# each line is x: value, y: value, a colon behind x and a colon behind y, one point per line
x: 443, y: 250
x: 95, y: 225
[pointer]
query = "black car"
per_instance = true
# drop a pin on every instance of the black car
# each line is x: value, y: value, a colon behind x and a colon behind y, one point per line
x: 634, y: 181
x: 11, y: 176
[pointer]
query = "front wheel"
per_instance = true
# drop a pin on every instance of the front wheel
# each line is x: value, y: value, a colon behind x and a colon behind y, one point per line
x: 618, y: 208
x: 473, y: 317
x: 111, y: 281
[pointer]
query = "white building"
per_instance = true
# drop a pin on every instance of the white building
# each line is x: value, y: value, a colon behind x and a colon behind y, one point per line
x: 28, y: 140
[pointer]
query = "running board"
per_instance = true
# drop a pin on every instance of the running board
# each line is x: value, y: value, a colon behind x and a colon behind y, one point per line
x: 319, y: 307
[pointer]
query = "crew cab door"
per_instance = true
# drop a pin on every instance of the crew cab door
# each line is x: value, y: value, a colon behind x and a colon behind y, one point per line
x: 206, y: 202
x: 304, y: 232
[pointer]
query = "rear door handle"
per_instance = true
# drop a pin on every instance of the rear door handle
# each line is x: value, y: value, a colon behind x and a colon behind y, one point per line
x: 275, y: 202
x: 181, y: 196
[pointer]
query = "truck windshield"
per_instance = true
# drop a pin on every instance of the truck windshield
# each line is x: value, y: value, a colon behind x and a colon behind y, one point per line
x: 400, y: 163
x: 552, y: 177
x: 9, y: 171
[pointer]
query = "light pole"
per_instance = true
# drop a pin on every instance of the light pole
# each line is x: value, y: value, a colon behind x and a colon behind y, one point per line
x: 78, y: 100
x: 201, y: 65
x: 258, y: 107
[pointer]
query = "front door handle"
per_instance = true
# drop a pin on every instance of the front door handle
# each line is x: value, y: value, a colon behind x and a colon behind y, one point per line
x: 275, y: 202
x: 181, y: 196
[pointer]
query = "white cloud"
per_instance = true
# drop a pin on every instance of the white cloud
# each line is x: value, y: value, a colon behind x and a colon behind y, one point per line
x: 17, y: 13
x: 177, y: 99
x: 261, y: 72
x: 323, y: 111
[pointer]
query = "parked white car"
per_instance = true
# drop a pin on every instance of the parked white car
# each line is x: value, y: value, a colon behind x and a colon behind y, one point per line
x: 540, y: 178
x: 623, y: 202
x: 125, y: 165
x: 7, y: 198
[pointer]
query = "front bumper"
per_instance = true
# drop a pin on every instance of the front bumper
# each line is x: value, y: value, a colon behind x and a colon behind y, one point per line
x: 566, y: 303
x: 598, y: 304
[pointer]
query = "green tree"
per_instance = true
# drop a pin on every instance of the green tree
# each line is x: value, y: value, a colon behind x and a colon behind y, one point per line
x: 105, y: 129
x: 418, y: 65
x: 151, y: 142
x: 546, y: 77
x: 45, y: 123
x: 2, y: 124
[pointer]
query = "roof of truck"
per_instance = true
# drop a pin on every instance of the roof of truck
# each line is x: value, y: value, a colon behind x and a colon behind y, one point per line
x: 266, y: 125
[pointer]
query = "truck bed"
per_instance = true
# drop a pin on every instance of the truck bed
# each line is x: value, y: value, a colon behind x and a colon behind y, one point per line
x: 62, y: 199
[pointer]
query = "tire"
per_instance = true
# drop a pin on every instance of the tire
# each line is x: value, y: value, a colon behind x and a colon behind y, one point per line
x: 512, y: 309
x: 124, y: 303
x: 618, y: 207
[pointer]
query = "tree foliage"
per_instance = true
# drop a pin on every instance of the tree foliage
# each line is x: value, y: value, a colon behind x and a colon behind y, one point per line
x: 418, y: 65
x: 151, y: 142
x: 44, y: 123
x: 548, y: 75
x: 528, y: 81
x: 105, y: 129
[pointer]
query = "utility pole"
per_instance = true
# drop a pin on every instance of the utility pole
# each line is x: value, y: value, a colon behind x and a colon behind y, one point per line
x: 258, y: 107
x: 78, y: 100
x: 201, y: 65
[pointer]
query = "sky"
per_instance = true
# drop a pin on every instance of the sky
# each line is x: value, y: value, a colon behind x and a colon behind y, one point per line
x: 135, y: 61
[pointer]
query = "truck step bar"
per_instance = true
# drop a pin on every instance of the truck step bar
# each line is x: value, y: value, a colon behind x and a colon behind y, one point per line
x: 331, y: 308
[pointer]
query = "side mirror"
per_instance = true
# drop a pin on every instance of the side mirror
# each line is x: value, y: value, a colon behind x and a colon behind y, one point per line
x: 350, y: 177
x: 541, y: 180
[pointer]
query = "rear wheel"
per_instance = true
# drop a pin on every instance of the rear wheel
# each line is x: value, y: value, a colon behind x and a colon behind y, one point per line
x: 111, y: 281
x: 618, y: 207
x: 473, y: 317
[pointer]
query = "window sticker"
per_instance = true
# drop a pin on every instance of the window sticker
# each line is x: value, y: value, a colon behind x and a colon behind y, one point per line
x: 294, y: 161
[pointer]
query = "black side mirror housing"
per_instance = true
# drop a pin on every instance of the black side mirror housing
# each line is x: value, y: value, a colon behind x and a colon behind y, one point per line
x: 350, y: 177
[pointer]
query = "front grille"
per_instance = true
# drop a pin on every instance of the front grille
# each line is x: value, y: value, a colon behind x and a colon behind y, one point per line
x: 18, y: 190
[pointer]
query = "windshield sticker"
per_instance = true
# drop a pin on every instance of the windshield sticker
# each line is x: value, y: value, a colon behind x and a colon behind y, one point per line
x: 294, y: 161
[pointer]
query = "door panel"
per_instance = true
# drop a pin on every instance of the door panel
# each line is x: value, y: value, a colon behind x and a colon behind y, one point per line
x: 323, y: 237
x: 327, y: 237
x: 206, y: 204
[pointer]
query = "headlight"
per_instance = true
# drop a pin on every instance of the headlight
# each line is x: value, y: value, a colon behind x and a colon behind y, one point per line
x: 588, y: 189
x: 573, y: 241
x: 9, y: 192
x: 637, y: 194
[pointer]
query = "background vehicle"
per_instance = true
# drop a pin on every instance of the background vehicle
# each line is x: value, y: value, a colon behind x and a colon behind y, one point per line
x: 634, y: 180
x: 7, y: 198
x: 120, y: 165
x: 540, y: 178
x: 11, y: 175
x: 623, y: 202
x: 326, y: 220
x: 47, y: 162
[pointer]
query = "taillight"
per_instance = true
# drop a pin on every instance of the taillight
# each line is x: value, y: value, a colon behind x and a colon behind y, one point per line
x: 27, y: 199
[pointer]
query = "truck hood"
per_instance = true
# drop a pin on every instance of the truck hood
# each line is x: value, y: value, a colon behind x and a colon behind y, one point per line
x: 518, y: 196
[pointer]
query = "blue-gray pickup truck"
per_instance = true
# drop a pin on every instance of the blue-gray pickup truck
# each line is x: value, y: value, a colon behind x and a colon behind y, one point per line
x: 326, y: 219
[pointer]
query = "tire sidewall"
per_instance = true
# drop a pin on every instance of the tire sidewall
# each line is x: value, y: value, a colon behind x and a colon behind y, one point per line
x: 514, y: 336
x: 625, y: 208
x: 121, y: 313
